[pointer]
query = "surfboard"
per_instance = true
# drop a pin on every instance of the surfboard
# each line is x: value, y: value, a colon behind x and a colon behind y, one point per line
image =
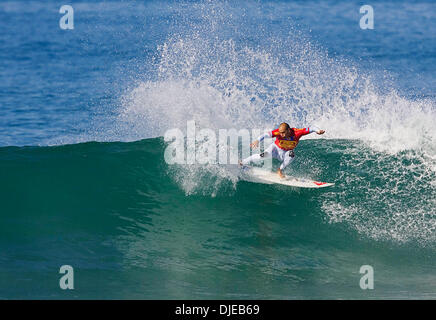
x: 259, y: 175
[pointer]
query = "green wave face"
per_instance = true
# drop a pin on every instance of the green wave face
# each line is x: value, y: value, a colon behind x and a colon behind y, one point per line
x: 134, y: 227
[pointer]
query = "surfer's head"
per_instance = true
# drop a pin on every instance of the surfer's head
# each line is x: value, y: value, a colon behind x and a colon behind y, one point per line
x: 285, y: 130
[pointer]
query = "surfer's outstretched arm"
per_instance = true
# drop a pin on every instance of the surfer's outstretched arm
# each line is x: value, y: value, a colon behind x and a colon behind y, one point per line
x: 314, y: 129
x: 255, y: 143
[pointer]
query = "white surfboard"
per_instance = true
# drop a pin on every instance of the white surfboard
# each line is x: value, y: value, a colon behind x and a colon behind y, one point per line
x: 259, y: 175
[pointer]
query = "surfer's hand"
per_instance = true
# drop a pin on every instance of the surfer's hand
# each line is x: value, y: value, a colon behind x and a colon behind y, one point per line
x: 320, y: 131
x: 254, y: 144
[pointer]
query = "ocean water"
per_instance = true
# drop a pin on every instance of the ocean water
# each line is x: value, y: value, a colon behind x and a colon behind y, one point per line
x: 85, y: 182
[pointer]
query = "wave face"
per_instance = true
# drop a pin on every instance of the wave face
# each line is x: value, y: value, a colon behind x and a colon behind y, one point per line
x: 120, y: 215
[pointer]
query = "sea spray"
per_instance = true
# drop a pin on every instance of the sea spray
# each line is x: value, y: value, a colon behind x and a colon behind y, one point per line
x: 210, y: 77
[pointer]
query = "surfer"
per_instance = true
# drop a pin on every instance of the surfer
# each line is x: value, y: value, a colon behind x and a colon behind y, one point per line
x: 287, y: 139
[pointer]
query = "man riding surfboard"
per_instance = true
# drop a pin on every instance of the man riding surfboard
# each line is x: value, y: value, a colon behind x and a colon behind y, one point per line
x: 282, y: 149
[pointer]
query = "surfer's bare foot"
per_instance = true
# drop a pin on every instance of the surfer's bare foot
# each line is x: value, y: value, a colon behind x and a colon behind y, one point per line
x: 280, y: 173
